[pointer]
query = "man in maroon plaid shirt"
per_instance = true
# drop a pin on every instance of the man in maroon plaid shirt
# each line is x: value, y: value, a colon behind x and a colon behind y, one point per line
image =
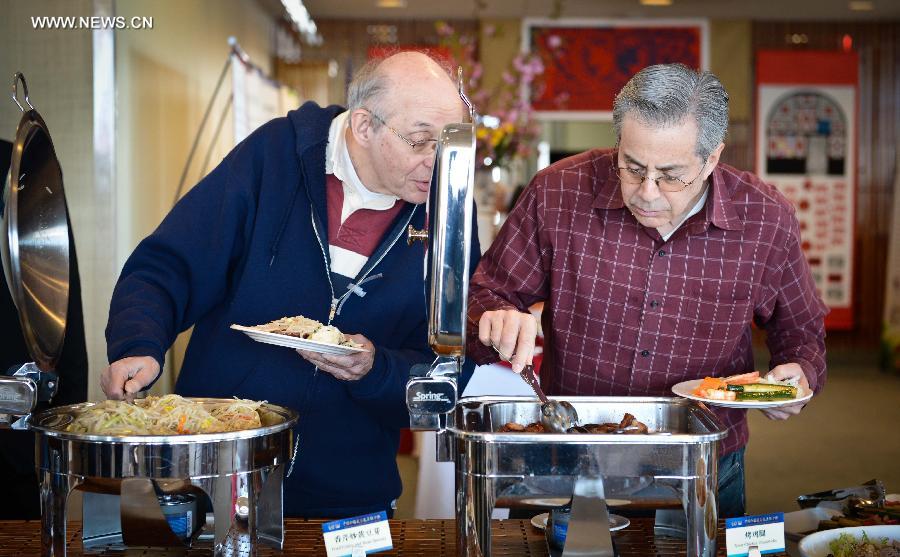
x: 652, y: 260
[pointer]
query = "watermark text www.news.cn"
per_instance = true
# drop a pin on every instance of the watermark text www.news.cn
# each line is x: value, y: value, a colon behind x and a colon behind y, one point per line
x: 91, y: 22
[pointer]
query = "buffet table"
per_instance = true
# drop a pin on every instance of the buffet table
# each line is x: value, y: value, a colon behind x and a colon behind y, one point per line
x: 425, y: 538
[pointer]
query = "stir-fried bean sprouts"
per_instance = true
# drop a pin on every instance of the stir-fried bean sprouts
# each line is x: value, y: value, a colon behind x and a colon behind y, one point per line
x: 166, y: 415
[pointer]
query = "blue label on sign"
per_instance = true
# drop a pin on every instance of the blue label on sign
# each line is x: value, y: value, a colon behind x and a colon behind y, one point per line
x: 354, y: 522
x: 758, y: 520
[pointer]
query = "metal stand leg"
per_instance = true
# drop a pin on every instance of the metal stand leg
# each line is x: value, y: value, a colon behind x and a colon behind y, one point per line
x: 588, y: 532
x: 701, y: 517
x: 235, y: 522
x: 270, y: 507
x: 55, y: 489
x: 475, y: 500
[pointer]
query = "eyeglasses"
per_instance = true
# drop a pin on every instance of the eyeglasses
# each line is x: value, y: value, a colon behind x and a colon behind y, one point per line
x: 424, y: 145
x: 636, y: 177
x: 419, y: 147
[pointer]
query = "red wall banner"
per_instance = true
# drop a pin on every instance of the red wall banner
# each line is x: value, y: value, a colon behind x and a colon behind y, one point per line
x: 585, y: 67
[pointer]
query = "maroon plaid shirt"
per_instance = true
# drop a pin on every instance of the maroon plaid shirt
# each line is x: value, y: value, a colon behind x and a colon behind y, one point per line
x: 628, y: 314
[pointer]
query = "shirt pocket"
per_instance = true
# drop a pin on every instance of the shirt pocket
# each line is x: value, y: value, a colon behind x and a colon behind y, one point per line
x: 716, y: 314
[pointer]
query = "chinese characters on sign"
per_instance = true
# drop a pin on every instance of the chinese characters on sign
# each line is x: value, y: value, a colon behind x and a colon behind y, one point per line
x: 764, y: 532
x: 360, y: 535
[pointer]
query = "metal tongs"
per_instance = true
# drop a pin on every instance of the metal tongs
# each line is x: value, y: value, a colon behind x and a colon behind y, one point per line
x: 558, y: 416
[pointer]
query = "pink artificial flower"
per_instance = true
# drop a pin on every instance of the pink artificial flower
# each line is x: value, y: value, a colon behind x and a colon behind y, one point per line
x: 443, y: 29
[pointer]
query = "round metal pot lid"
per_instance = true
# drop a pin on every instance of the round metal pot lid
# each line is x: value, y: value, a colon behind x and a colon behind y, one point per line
x: 35, y: 242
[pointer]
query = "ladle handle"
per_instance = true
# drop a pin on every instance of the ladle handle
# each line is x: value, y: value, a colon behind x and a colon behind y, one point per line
x: 15, y: 91
x: 529, y: 377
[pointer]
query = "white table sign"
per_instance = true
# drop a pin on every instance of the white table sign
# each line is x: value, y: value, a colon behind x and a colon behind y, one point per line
x: 765, y: 531
x: 360, y: 535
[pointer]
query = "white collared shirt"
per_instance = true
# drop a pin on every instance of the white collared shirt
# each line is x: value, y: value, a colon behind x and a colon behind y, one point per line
x: 356, y: 194
x: 337, y: 162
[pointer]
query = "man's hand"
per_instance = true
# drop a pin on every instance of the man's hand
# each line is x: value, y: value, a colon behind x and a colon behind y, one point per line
x: 351, y: 367
x: 782, y: 372
x: 126, y: 377
x: 512, y: 333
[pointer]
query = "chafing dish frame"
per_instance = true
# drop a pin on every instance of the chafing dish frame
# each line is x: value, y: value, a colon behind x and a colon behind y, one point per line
x: 431, y: 392
x: 240, y: 471
x: 513, y: 468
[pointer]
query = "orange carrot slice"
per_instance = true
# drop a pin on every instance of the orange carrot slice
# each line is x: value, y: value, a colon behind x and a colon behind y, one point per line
x: 743, y: 378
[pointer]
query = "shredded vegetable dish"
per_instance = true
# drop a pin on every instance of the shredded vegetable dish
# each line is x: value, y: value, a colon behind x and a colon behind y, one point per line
x: 166, y: 415
x: 849, y: 546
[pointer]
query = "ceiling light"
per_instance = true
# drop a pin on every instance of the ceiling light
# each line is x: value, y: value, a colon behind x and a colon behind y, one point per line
x: 862, y: 5
x: 391, y: 3
x: 302, y: 21
x: 656, y: 2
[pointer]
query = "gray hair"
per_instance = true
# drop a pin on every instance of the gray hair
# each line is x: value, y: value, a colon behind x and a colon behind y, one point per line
x: 367, y: 90
x: 666, y: 94
x: 370, y: 86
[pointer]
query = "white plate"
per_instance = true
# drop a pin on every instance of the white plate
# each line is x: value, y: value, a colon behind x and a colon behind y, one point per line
x: 296, y: 342
x: 686, y: 389
x: 798, y: 523
x: 816, y: 545
x: 616, y: 522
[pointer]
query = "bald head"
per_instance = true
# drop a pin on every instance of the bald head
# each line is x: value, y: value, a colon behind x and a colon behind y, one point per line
x: 404, y: 64
x: 398, y: 108
x: 388, y: 85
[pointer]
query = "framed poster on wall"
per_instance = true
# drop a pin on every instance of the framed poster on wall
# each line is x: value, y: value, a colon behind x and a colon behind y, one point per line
x: 806, y: 147
x: 586, y: 62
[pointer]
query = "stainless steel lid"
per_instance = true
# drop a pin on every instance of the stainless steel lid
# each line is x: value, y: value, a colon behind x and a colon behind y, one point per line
x: 35, y: 241
x: 449, y: 232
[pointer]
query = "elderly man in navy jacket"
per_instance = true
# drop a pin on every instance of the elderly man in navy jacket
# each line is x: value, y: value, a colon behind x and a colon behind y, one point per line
x: 307, y: 216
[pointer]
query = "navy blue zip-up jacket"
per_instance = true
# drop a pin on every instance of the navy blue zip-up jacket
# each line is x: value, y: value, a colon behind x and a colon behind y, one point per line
x: 249, y: 244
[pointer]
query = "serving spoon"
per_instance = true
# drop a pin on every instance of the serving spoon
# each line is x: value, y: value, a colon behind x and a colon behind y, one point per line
x: 558, y: 416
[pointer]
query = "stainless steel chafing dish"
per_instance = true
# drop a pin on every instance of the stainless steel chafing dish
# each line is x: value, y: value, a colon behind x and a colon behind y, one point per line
x: 678, y: 459
x: 232, y: 482
x: 137, y: 491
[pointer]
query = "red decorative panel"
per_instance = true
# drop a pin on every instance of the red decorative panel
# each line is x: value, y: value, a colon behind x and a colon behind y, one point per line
x: 585, y: 67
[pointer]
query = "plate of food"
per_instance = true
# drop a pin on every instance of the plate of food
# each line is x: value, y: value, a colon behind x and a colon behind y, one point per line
x: 616, y: 522
x: 746, y: 390
x: 302, y: 333
x: 881, y: 541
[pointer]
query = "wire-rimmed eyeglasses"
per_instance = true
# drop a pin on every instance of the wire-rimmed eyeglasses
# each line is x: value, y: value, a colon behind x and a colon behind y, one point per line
x: 423, y: 145
x: 636, y: 177
x: 419, y: 147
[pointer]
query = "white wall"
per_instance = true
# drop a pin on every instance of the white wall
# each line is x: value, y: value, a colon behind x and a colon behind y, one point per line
x: 58, y: 66
x: 164, y: 77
